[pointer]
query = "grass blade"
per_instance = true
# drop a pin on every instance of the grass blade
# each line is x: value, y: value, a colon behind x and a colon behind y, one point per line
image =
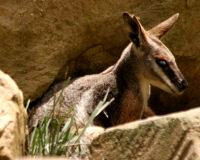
x: 100, y: 107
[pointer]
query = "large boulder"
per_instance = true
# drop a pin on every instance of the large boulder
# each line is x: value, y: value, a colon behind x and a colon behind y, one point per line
x: 172, y: 137
x: 13, y: 119
x: 44, y: 158
x: 41, y: 40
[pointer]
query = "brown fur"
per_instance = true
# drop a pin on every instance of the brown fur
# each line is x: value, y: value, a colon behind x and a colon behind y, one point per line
x: 130, y: 107
x: 163, y: 27
x: 128, y: 80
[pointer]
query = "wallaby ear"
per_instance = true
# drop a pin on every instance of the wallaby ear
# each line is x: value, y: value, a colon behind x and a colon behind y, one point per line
x: 163, y: 27
x: 134, y: 28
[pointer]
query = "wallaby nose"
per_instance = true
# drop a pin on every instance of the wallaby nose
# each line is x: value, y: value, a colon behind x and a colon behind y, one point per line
x: 183, y: 85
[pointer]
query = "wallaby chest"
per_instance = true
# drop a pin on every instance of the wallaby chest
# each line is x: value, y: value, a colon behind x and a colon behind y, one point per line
x: 130, y: 107
x: 127, y: 107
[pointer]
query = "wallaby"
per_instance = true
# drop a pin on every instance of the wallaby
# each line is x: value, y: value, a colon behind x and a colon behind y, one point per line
x: 145, y: 61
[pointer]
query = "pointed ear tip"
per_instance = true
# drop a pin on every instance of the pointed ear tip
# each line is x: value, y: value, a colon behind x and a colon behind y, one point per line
x: 125, y: 15
x: 135, y: 17
x: 176, y: 15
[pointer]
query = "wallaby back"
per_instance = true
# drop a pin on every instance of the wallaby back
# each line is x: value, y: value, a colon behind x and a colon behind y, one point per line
x: 84, y: 92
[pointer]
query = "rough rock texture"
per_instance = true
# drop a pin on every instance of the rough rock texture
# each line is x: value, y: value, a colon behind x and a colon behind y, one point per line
x: 44, y: 158
x: 89, y: 135
x: 172, y: 137
x: 13, y: 119
x: 41, y: 39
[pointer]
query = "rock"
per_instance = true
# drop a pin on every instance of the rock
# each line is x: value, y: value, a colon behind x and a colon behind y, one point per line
x: 89, y: 135
x: 13, y: 118
x: 171, y: 137
x: 41, y: 40
x: 43, y: 158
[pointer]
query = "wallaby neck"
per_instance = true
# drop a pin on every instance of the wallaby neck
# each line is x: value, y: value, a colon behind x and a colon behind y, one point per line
x: 129, y: 76
x: 127, y: 70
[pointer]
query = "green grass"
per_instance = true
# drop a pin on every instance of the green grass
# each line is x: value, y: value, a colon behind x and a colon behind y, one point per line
x: 54, y: 136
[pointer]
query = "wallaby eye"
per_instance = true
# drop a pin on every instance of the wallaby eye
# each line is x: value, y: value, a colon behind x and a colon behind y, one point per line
x: 161, y: 62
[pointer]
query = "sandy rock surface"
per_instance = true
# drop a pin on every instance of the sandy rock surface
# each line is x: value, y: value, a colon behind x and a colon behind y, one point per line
x: 172, y: 137
x: 44, y: 158
x: 13, y: 119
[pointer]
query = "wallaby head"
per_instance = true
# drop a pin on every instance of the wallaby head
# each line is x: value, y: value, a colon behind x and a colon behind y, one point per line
x: 157, y: 64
